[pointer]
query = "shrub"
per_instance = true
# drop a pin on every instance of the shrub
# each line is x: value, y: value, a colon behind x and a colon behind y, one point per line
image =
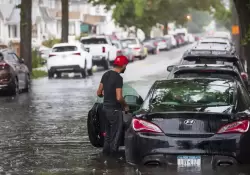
x: 49, y: 43
x: 38, y: 74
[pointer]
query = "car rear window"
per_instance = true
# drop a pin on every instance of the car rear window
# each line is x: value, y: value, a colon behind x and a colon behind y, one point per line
x: 129, y: 41
x: 94, y: 41
x: 64, y: 49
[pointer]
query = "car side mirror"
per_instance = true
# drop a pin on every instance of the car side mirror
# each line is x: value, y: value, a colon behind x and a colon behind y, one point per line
x: 21, y: 61
x: 132, y: 99
x: 170, y: 68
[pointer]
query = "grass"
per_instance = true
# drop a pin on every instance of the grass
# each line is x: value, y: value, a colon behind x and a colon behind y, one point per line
x: 38, y: 74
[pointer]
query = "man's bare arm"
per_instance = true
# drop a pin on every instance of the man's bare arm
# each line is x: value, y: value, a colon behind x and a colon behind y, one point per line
x: 120, y: 98
x: 100, y: 90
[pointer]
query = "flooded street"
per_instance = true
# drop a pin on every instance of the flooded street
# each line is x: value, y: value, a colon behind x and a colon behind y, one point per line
x: 45, y: 132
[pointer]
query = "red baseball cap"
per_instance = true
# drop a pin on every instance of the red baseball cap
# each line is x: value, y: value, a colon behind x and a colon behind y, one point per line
x: 121, y: 61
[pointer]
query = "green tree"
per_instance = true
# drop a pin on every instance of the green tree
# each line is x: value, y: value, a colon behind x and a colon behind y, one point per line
x: 199, y: 19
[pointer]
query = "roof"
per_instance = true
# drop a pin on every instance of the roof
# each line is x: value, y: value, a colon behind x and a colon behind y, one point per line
x: 210, y: 46
x: 205, y: 66
x: 14, y: 17
x: 67, y: 44
x: 215, y: 40
x: 45, y: 14
x: 6, y: 10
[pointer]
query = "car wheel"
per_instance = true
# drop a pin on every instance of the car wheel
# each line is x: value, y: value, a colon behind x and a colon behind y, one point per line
x: 93, y: 126
x: 27, y: 83
x: 58, y: 75
x: 106, y: 64
x: 14, y: 89
x: 90, y: 72
x: 50, y: 74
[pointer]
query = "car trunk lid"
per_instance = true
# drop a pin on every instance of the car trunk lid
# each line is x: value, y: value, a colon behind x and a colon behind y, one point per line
x: 190, y: 124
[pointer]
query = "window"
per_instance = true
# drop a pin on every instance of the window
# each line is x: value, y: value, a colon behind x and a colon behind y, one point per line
x: 12, y: 31
x: 10, y: 58
x: 94, y: 41
x: 15, y: 57
x: 64, y: 49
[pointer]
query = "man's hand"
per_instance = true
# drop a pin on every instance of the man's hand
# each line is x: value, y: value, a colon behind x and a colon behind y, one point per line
x: 100, y: 92
x: 126, y: 108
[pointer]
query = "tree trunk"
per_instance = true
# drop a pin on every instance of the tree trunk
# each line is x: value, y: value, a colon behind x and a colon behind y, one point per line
x: 165, y: 30
x: 244, y: 21
x: 26, y: 32
x: 65, y: 21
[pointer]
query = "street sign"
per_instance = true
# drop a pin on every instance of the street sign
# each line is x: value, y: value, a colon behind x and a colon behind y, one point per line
x: 235, y: 30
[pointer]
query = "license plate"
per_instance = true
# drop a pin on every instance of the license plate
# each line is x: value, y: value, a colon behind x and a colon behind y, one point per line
x: 189, y: 161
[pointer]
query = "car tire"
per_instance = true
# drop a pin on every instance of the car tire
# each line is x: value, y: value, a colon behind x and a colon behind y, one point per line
x: 50, y: 74
x: 14, y: 89
x: 106, y: 65
x: 90, y: 72
x: 27, y: 83
x: 58, y: 75
x: 93, y: 124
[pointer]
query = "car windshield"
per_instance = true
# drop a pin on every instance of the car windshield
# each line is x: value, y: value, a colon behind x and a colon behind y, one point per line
x: 94, y: 41
x: 64, y: 49
x: 129, y: 41
x: 198, y: 93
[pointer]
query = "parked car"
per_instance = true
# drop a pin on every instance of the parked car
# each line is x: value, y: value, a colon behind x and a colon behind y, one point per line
x: 203, y: 121
x: 69, y: 57
x: 205, y: 70
x: 101, y: 48
x: 173, y: 42
x: 151, y: 45
x: 163, y: 43
x: 14, y: 74
x: 123, y: 49
x: 214, y: 54
x: 136, y: 46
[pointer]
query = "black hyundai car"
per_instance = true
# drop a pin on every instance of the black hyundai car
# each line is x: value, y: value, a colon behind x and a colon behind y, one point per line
x: 190, y: 123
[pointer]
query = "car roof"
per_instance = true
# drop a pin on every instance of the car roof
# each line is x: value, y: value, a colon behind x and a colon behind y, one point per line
x: 213, y: 51
x: 67, y: 44
x: 215, y: 40
x: 211, y: 46
x: 205, y: 66
x: 205, y: 81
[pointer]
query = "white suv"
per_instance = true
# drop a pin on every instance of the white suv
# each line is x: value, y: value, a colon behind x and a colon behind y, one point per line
x: 67, y: 57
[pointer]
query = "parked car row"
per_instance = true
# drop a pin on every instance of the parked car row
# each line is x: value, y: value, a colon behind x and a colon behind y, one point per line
x: 198, y: 116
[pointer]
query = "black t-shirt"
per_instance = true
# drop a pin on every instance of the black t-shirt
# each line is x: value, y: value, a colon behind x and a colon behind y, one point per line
x: 111, y: 80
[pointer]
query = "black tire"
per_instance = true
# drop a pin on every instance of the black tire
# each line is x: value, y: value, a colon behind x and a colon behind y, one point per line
x: 90, y: 72
x: 58, y: 75
x: 50, y: 74
x: 93, y: 126
x: 27, y: 83
x: 14, y: 88
x: 106, y: 64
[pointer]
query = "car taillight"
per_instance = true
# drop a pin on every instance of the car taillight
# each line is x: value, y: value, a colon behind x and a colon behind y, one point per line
x: 103, y: 49
x: 155, y: 43
x: 4, y: 65
x: 244, y: 76
x: 144, y: 126
x: 77, y: 53
x: 51, y: 55
x: 137, y: 48
x: 236, y: 127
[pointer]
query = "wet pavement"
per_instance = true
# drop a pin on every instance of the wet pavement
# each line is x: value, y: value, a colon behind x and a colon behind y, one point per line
x: 44, y: 132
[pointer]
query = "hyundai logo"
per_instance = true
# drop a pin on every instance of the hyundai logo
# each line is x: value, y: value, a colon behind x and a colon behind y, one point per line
x: 189, y: 122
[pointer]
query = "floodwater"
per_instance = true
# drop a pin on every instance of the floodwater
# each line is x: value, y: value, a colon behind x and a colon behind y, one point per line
x: 44, y: 132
